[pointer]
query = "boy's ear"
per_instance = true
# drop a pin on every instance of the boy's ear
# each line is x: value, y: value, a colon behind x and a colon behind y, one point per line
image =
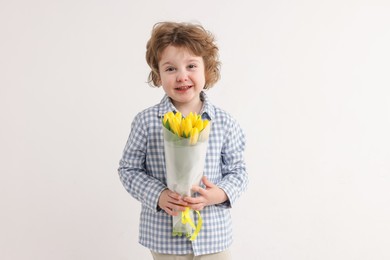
x: 157, y: 79
x: 158, y: 82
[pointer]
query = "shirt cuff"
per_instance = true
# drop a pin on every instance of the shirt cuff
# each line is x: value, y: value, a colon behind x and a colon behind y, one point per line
x: 227, y: 203
x: 152, y: 194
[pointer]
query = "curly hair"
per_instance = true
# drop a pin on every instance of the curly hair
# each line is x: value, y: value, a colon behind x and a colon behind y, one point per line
x: 194, y: 38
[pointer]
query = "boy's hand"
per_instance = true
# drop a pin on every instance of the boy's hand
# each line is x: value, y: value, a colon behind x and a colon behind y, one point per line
x: 210, y: 196
x: 171, y: 202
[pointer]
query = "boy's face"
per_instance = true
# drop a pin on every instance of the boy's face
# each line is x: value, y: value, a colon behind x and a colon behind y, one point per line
x: 182, y: 77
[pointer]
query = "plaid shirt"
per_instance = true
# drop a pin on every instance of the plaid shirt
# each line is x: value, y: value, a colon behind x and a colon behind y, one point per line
x: 142, y: 173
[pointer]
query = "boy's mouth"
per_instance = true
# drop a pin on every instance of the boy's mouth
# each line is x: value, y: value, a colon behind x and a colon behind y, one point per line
x: 183, y: 88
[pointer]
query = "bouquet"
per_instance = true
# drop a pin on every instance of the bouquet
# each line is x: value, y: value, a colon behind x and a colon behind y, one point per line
x: 185, y: 146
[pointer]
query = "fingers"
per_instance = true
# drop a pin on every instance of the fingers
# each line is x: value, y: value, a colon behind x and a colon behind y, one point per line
x: 173, y: 195
x: 191, y: 200
x: 198, y: 207
x: 207, y: 183
x: 199, y: 190
x: 197, y: 203
x: 173, y: 209
x: 171, y: 212
x: 171, y: 202
x: 176, y: 198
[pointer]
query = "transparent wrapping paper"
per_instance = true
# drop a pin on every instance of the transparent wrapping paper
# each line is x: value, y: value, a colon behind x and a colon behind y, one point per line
x: 184, y: 167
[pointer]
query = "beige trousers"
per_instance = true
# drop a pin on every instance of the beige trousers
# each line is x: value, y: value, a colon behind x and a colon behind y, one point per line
x: 225, y: 255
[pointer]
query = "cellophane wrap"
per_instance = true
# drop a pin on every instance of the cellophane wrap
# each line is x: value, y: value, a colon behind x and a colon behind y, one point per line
x: 184, y: 167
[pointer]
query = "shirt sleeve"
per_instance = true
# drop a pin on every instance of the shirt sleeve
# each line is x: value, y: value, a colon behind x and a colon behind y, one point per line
x: 132, y: 169
x: 234, y: 176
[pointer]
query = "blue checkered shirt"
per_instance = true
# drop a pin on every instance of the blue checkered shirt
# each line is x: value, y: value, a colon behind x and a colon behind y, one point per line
x: 142, y: 173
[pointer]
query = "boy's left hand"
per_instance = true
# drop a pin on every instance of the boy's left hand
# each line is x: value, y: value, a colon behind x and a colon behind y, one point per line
x: 211, y: 195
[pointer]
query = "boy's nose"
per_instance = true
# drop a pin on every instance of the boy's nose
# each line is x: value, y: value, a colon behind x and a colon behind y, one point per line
x: 182, y: 76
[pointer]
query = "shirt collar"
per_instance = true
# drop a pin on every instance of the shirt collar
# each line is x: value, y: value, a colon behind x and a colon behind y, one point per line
x: 207, y: 112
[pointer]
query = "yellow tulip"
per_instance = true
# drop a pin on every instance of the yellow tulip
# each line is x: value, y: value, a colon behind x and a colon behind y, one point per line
x: 205, y: 123
x: 167, y: 118
x: 186, y: 127
x: 194, y: 135
x: 199, y: 124
x: 168, y: 115
x: 179, y: 117
x: 175, y: 126
x: 192, y: 118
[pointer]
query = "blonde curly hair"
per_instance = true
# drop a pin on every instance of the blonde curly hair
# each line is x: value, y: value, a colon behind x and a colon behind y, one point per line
x: 193, y: 37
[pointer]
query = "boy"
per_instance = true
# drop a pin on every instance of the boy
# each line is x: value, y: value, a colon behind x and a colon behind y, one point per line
x: 184, y: 60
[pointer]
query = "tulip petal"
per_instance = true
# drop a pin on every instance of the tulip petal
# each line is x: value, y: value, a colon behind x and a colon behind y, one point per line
x: 194, y: 136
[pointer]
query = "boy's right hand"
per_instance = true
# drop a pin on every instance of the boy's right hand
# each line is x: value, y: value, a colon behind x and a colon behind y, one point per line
x: 171, y: 202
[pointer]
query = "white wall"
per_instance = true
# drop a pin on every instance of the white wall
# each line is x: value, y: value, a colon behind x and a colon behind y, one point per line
x: 308, y: 81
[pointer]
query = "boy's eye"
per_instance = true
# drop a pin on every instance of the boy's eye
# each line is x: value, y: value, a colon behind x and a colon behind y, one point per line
x: 192, y: 66
x: 170, y: 69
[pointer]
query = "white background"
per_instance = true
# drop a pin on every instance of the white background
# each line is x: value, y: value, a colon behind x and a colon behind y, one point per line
x: 307, y: 80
